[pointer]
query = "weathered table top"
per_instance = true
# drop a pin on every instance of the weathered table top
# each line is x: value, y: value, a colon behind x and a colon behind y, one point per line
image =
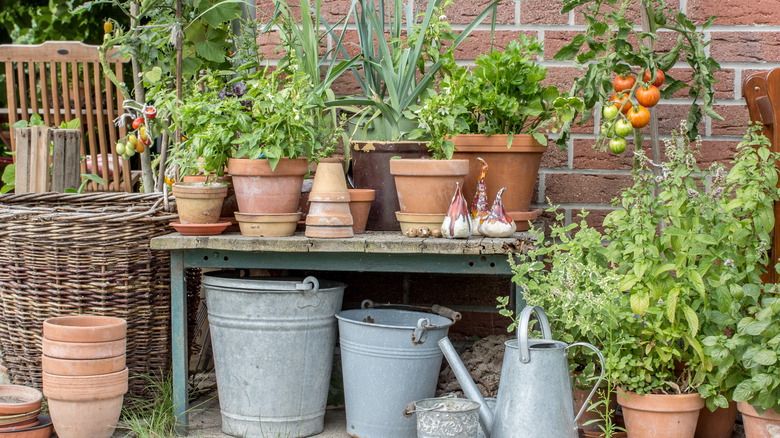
x: 371, y: 242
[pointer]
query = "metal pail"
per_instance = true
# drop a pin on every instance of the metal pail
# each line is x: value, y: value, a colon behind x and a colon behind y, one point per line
x: 447, y: 418
x: 273, y: 341
x: 389, y: 358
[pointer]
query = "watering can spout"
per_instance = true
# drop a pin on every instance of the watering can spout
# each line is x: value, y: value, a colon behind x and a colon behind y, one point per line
x: 468, y: 385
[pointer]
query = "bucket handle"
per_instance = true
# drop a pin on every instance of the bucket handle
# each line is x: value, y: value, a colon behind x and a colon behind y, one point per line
x: 410, y: 409
x: 435, y: 309
x: 595, y: 387
x: 420, y: 333
x: 309, y: 286
x: 522, y: 330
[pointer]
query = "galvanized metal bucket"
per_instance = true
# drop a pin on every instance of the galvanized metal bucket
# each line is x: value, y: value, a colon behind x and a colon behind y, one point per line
x: 446, y: 417
x: 389, y: 358
x: 273, y: 342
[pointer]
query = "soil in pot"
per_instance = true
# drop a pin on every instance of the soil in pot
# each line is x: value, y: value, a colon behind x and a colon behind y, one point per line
x: 660, y: 416
x: 371, y: 170
x: 755, y: 424
x: 427, y: 186
x: 718, y: 424
x: 199, y: 203
x: 260, y: 190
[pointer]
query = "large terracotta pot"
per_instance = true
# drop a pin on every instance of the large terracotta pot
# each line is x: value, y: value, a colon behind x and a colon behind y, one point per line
x: 515, y: 168
x: 718, y: 424
x: 260, y: 190
x: 85, y: 406
x: 756, y: 425
x: 371, y: 170
x: 84, y: 328
x: 199, y: 203
x: 427, y: 186
x: 660, y: 416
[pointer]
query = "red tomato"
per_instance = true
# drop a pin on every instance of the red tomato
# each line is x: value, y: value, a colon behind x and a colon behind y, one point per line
x: 660, y: 77
x: 150, y: 112
x: 648, y: 97
x: 137, y: 123
x: 621, y: 99
x: 623, y: 82
x: 639, y: 117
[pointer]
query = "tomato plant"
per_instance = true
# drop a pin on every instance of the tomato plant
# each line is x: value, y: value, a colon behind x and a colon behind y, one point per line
x: 138, y: 122
x: 609, y: 112
x: 150, y: 112
x: 621, y: 101
x: 624, y: 82
x: 639, y: 117
x: 659, y: 77
x: 649, y: 96
x: 623, y: 127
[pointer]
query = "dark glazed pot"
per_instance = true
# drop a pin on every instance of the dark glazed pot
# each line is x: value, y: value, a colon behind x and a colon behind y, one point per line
x: 371, y: 170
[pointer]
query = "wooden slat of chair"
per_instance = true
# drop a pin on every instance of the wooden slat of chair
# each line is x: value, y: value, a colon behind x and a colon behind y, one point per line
x: 762, y: 94
x: 74, y: 72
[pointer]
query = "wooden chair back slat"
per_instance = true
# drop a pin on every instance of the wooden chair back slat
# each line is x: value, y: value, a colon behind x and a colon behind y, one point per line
x: 762, y: 94
x: 62, y: 81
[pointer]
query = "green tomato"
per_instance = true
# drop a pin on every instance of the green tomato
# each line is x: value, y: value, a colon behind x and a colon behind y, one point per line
x: 120, y: 148
x: 610, y: 112
x: 617, y: 145
x: 608, y: 129
x: 623, y: 127
x: 130, y: 151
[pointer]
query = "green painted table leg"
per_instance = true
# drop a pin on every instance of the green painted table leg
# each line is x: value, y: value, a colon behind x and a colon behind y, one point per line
x: 179, y: 337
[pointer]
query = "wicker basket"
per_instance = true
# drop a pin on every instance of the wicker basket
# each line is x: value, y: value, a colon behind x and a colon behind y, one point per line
x: 65, y: 254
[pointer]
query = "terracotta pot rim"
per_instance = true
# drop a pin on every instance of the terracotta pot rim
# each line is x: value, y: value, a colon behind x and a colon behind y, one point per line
x: 424, y: 168
x: 361, y: 195
x: 747, y: 409
x: 389, y: 142
x: 245, y: 167
x: 214, y: 229
x: 329, y: 197
x: 263, y: 218
x: 419, y: 217
x: 326, y: 232
x: 82, y: 367
x: 660, y: 402
x: 497, y: 143
x: 84, y: 388
x: 84, y: 350
x: 84, y: 328
x: 32, y: 399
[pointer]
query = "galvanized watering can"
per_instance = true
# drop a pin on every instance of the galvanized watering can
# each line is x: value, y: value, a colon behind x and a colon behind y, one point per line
x: 534, y: 396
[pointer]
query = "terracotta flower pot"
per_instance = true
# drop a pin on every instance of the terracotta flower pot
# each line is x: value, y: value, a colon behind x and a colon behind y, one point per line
x: 83, y: 350
x: 660, y: 416
x: 755, y: 424
x: 82, y: 367
x: 267, y: 225
x: 84, y: 328
x: 371, y: 170
x: 718, y: 424
x: 359, y: 206
x: 229, y: 205
x: 329, y: 215
x: 199, y: 203
x: 515, y: 168
x: 260, y: 190
x: 18, y: 399
x: 85, y: 406
x: 426, y: 186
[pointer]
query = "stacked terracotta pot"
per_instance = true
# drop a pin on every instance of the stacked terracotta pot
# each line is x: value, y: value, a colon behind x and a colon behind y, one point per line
x: 329, y: 215
x: 84, y: 374
x: 19, y: 408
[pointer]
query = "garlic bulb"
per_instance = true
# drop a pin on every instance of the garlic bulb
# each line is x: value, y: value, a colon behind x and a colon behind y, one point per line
x: 498, y: 223
x: 479, y: 206
x: 457, y: 223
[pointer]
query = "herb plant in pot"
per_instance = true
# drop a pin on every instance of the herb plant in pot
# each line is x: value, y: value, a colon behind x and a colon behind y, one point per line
x: 507, y: 113
x: 400, y: 54
x: 569, y: 276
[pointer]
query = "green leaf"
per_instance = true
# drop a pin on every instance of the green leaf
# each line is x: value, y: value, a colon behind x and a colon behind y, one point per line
x: 693, y: 320
x: 152, y: 76
x: 639, y: 303
x: 211, y: 51
x: 743, y: 391
x: 765, y: 357
x: 222, y: 12
x: 570, y: 50
x: 755, y: 328
x: 541, y: 138
x: 698, y: 282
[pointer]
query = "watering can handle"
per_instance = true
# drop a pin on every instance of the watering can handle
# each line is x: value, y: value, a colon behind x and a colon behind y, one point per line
x: 596, y: 386
x: 522, y: 330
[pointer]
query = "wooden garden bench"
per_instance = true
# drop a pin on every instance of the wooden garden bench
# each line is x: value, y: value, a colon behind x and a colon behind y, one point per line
x: 61, y: 81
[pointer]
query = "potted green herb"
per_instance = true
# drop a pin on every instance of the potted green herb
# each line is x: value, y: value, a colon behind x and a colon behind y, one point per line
x: 399, y: 61
x: 671, y: 244
x: 569, y: 276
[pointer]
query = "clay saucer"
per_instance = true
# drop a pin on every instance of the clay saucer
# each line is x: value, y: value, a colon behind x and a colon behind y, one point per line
x: 21, y: 425
x: 18, y: 399
x: 200, y: 229
x: 43, y: 430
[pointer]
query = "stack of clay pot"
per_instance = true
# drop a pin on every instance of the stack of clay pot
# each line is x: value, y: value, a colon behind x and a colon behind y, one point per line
x: 84, y: 374
x: 19, y: 408
x: 329, y: 215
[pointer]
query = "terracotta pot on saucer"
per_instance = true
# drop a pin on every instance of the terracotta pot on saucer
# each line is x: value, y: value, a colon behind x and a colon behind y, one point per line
x: 329, y: 215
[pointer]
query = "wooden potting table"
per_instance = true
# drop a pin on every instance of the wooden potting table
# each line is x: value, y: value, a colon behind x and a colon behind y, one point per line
x: 372, y: 251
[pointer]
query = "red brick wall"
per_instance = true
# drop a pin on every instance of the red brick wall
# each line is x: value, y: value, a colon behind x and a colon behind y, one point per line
x: 744, y: 38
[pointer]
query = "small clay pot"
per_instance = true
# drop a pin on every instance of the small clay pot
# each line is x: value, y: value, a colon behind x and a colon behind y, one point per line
x: 199, y: 203
x: 84, y: 328
x: 267, y: 225
x: 359, y: 205
x: 83, y: 350
x: 417, y: 221
x: 329, y: 179
x: 426, y: 186
x: 18, y: 399
x: 260, y: 190
x: 84, y: 367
